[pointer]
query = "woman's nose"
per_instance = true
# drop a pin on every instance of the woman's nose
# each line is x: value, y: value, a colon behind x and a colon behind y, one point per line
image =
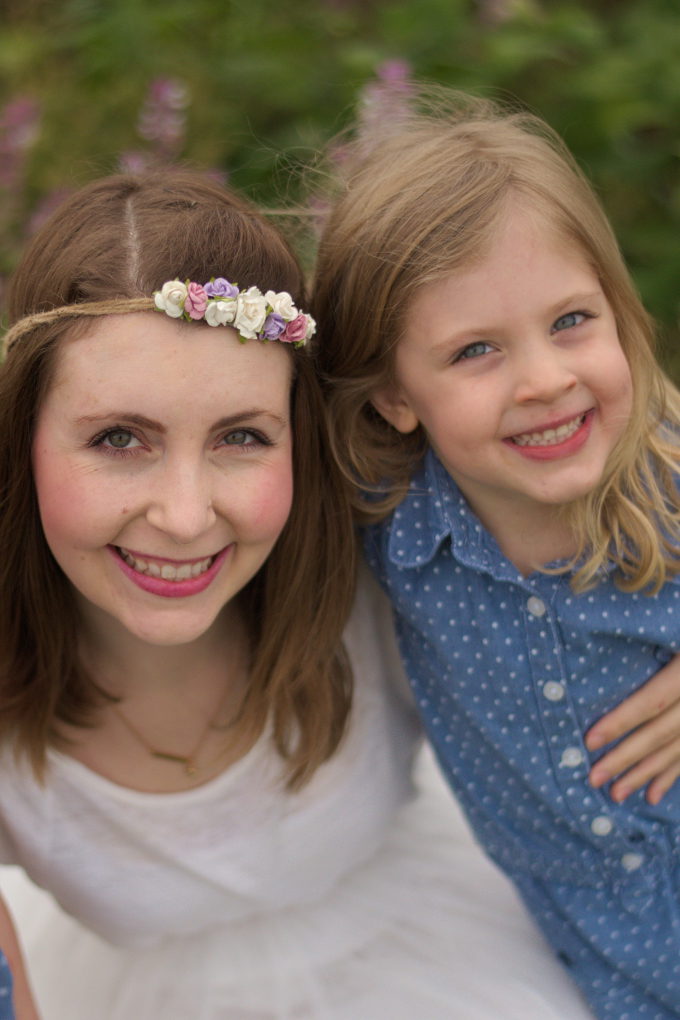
x: 181, y: 503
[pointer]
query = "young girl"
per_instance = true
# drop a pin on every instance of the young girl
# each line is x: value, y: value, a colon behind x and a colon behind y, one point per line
x: 492, y: 380
x: 185, y: 764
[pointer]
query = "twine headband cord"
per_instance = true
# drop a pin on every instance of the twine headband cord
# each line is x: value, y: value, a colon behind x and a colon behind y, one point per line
x: 113, y: 306
x: 252, y: 314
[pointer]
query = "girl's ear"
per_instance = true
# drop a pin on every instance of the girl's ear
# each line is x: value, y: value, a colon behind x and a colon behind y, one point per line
x: 391, y: 403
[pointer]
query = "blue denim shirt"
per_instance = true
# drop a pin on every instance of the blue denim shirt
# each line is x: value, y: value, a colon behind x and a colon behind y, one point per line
x: 508, y: 673
x: 6, y: 1003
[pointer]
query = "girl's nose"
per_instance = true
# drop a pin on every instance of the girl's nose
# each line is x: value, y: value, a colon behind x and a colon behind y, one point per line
x: 181, y: 504
x: 543, y: 374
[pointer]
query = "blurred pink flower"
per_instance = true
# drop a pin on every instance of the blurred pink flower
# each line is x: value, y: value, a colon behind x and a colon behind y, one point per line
x: 19, y: 126
x: 385, y: 99
x: 162, y: 120
x: 133, y: 161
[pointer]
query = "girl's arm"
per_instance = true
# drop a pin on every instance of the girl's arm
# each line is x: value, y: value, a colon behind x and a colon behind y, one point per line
x: 24, y: 1006
x: 651, y: 752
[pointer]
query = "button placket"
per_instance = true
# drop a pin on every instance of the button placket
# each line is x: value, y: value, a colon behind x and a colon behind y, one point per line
x: 560, y: 726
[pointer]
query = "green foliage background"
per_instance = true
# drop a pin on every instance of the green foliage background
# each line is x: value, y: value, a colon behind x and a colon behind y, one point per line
x: 268, y: 84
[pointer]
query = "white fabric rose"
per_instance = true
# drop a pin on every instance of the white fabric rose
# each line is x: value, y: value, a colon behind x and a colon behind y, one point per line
x: 311, y: 328
x: 282, y: 304
x: 251, y: 311
x: 170, y: 299
x: 221, y: 313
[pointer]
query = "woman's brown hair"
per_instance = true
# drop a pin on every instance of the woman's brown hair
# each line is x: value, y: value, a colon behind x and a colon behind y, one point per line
x: 423, y: 202
x: 122, y: 237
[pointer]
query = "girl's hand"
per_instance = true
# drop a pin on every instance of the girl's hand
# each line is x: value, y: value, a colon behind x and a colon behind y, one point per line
x: 651, y: 752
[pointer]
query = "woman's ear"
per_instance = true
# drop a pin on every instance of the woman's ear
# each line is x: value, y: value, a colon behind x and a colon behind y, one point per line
x: 390, y: 402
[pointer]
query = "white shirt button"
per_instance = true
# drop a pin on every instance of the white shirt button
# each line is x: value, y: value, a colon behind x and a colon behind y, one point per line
x: 602, y: 825
x: 631, y: 862
x: 535, y: 606
x: 571, y: 757
x: 553, y: 691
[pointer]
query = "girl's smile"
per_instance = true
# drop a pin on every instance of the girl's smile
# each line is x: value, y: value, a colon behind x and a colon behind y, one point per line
x: 560, y: 439
x: 162, y: 463
x: 513, y: 367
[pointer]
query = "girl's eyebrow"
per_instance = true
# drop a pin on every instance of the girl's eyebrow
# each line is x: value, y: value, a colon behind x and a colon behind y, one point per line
x: 239, y: 418
x: 583, y: 297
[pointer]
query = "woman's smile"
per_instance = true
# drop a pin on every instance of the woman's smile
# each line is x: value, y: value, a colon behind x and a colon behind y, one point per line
x: 169, y: 579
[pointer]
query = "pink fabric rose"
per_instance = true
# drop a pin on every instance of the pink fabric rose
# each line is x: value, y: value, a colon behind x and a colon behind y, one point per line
x: 295, y: 331
x: 196, y: 301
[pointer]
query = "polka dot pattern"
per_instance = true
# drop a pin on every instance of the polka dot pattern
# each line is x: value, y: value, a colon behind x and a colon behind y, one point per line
x: 509, y: 672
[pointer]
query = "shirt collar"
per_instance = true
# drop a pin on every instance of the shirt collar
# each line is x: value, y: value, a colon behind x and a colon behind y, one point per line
x: 433, y: 510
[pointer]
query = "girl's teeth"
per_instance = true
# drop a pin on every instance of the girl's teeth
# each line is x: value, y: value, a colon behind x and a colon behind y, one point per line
x: 168, y: 571
x: 551, y: 436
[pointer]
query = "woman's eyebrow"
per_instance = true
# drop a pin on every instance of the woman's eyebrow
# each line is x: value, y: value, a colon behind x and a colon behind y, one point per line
x: 128, y: 416
x: 239, y: 417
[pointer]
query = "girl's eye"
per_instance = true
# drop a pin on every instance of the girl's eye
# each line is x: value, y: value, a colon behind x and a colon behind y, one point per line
x: 569, y: 320
x: 475, y: 350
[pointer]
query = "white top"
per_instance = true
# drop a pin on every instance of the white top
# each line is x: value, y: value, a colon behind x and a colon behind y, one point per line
x: 135, y: 867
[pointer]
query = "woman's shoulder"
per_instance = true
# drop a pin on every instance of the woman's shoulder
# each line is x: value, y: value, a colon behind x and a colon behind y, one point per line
x: 24, y: 804
x: 371, y: 641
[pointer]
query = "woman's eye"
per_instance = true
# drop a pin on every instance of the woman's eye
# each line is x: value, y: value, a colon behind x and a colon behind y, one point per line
x: 475, y: 350
x: 243, y: 437
x: 119, y: 439
x: 569, y: 320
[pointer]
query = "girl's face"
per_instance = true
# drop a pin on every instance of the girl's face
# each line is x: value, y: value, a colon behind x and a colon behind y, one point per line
x: 162, y: 465
x: 515, y: 371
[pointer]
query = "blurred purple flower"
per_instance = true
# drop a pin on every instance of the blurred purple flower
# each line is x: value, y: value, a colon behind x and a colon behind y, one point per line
x: 162, y: 119
x: 132, y: 161
x: 385, y: 99
x: 19, y: 124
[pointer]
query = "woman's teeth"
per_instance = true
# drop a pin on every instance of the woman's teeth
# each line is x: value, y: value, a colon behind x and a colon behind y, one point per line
x: 551, y: 436
x: 167, y: 571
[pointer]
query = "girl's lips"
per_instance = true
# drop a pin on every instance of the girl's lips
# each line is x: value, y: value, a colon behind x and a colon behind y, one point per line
x: 169, y: 578
x: 561, y: 440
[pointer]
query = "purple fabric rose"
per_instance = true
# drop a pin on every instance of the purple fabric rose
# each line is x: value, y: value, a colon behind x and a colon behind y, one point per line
x: 220, y: 287
x: 274, y: 326
x: 196, y: 301
x: 295, y: 331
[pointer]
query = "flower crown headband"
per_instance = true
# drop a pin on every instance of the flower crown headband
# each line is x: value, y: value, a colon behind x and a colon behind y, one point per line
x: 254, y: 316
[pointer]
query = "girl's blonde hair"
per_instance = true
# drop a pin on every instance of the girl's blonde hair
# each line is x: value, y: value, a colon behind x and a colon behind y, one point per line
x: 121, y: 238
x: 423, y: 202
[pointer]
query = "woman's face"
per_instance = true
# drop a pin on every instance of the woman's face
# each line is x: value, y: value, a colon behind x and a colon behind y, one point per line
x: 163, y: 468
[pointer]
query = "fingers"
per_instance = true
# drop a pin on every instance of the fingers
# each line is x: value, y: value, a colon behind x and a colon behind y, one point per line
x: 649, y: 753
x: 662, y: 784
x: 643, y: 742
x: 652, y: 699
x: 660, y: 769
